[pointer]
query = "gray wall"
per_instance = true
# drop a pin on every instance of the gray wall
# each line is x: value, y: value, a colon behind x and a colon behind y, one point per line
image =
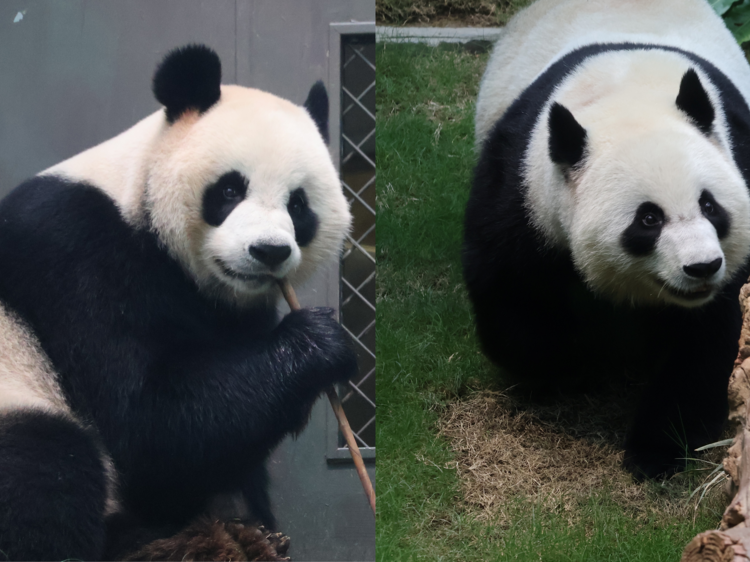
x: 74, y: 73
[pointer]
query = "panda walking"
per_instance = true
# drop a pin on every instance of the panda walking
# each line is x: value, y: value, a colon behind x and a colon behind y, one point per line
x: 143, y: 369
x: 608, y: 225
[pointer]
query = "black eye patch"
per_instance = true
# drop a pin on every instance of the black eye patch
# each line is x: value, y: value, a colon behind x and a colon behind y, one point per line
x: 221, y: 197
x: 304, y: 219
x: 715, y: 213
x: 641, y: 236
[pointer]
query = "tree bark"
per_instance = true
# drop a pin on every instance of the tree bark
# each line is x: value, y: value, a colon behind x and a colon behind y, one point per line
x: 719, y: 546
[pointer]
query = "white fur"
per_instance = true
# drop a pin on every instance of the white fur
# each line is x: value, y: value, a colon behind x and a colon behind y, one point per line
x: 163, y: 170
x: 27, y: 379
x: 28, y: 382
x: 118, y: 166
x: 640, y: 146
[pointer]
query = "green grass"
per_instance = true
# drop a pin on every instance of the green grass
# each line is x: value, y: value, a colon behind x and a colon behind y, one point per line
x: 428, y: 355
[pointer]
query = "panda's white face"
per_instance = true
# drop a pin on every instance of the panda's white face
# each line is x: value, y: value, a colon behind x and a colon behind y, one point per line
x: 253, y: 241
x: 661, y: 216
x: 631, y: 171
x: 246, y: 194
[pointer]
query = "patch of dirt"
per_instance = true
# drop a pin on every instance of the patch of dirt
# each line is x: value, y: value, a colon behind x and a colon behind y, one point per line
x: 554, y: 455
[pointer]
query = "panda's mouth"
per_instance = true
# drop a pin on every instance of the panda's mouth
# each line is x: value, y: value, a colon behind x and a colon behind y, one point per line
x: 697, y: 294
x: 259, y: 278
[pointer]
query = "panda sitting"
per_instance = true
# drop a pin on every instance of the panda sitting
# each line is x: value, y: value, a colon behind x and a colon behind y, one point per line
x: 609, y: 222
x: 143, y: 369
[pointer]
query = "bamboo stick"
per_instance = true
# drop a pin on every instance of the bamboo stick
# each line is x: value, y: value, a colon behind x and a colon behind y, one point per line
x: 338, y: 410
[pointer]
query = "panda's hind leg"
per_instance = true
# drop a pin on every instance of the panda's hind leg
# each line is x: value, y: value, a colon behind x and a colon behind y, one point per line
x: 53, y: 488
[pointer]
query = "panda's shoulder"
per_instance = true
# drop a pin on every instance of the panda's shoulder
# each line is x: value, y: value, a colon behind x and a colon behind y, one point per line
x: 60, y: 207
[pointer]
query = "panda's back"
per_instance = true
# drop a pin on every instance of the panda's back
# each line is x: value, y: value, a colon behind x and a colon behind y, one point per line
x: 549, y: 29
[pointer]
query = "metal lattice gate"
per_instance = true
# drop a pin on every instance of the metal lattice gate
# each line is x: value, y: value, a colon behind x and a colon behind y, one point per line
x: 357, y: 169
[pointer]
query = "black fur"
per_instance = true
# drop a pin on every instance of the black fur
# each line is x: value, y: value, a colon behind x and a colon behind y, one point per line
x: 126, y: 533
x: 317, y: 106
x: 567, y: 138
x: 640, y: 237
x: 221, y: 197
x: 188, y: 78
x: 254, y: 490
x: 694, y: 101
x: 52, y: 489
x: 703, y: 270
x: 303, y: 217
x: 715, y: 213
x: 533, y: 311
x: 270, y: 254
x: 188, y: 395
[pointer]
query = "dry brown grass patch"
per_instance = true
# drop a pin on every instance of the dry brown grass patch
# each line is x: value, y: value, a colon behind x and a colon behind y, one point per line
x: 553, y: 455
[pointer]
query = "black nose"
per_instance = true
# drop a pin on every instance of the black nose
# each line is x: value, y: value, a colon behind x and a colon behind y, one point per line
x: 269, y: 254
x: 703, y: 270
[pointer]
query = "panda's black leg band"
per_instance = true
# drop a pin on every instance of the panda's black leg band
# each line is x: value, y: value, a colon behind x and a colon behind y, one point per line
x: 52, y: 489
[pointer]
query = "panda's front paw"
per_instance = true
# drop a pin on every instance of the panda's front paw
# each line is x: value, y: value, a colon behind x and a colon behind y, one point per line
x: 648, y: 461
x: 326, y: 344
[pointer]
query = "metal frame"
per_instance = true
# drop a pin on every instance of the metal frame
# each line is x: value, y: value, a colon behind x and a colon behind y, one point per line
x: 334, y: 452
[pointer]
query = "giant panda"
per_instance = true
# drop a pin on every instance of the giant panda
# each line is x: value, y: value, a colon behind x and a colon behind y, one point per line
x: 143, y: 369
x: 607, y: 231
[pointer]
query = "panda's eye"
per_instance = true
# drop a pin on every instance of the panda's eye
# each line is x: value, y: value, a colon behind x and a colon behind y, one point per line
x: 651, y: 219
x: 296, y: 204
x: 230, y: 192
x: 717, y: 215
x: 303, y: 217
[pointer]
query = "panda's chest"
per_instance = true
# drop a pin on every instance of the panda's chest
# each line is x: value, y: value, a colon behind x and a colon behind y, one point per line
x: 615, y: 338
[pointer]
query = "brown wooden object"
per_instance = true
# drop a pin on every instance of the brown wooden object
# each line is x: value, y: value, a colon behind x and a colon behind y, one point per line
x: 338, y: 410
x: 208, y: 539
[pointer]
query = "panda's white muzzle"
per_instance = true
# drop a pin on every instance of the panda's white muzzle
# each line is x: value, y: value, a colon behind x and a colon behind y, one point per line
x: 691, y: 263
x: 254, y: 246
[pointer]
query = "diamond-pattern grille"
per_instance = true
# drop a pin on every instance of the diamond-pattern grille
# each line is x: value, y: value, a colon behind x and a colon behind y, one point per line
x: 358, y: 261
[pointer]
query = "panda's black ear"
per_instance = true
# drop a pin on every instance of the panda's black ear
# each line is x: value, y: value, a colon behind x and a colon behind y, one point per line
x: 188, y: 78
x: 694, y: 101
x: 567, y: 138
x: 316, y: 105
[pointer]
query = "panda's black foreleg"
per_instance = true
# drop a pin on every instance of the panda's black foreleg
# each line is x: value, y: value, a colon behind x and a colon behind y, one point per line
x: 210, y: 411
x: 685, y: 406
x: 272, y: 382
x: 670, y: 424
x: 240, y: 391
x: 52, y: 489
